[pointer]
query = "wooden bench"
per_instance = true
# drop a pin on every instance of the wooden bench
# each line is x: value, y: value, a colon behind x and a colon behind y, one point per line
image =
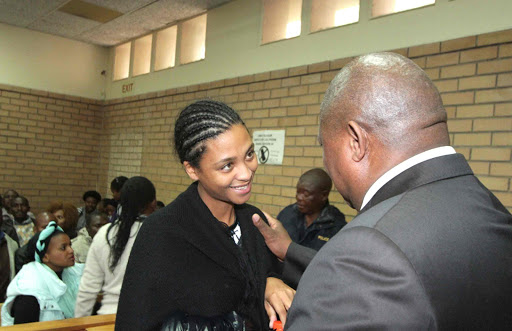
x: 93, y: 323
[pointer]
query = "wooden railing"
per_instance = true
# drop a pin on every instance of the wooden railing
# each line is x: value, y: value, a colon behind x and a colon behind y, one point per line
x: 93, y: 323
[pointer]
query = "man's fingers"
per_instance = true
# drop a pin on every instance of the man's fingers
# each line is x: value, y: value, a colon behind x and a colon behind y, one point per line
x: 262, y: 226
x: 276, y: 237
x: 271, y: 221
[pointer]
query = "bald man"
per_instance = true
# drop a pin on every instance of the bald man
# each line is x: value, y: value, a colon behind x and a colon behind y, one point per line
x: 431, y: 246
x: 312, y: 221
x: 42, y: 220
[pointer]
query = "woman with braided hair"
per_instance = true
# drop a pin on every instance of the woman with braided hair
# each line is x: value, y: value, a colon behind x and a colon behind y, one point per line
x: 111, y: 246
x: 199, y: 263
x: 45, y: 289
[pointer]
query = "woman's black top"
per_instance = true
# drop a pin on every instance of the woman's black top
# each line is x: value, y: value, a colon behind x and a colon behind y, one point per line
x: 184, y: 260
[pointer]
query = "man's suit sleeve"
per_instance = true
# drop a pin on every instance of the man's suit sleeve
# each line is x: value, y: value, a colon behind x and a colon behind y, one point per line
x: 296, y: 261
x: 360, y: 280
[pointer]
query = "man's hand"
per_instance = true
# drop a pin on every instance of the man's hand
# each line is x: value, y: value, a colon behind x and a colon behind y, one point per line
x: 276, y: 237
x: 278, y: 299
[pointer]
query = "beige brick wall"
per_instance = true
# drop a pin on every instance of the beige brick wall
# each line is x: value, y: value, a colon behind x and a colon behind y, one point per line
x: 49, y: 145
x: 473, y: 74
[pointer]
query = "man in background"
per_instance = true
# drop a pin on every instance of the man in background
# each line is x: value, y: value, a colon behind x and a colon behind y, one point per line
x: 8, y: 247
x: 91, y: 200
x: 312, y: 221
x: 7, y: 200
x: 23, y: 223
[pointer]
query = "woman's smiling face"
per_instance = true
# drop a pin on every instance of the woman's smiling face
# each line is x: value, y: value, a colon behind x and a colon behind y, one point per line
x: 226, y: 168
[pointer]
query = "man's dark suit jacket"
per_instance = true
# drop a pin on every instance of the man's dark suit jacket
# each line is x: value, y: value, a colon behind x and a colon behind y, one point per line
x: 431, y: 250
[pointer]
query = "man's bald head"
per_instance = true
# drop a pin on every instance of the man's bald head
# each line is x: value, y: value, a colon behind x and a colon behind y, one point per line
x: 389, y: 96
x: 42, y: 220
x: 380, y: 110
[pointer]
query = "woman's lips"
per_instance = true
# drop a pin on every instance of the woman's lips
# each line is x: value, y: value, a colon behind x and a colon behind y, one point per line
x: 242, y: 189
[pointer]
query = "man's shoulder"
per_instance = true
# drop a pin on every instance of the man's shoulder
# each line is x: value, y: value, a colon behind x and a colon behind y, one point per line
x: 335, y: 215
x: 80, y: 240
x: 371, y: 217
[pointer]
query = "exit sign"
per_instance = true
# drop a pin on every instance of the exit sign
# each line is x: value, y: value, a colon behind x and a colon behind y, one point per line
x: 127, y: 87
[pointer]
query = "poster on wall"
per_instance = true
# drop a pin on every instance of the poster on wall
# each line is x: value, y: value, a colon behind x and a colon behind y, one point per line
x: 269, y: 146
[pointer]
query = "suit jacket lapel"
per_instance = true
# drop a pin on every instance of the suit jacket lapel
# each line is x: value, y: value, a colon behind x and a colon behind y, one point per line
x: 432, y: 170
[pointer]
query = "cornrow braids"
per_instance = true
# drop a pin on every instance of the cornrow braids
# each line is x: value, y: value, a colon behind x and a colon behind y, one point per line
x: 198, y: 122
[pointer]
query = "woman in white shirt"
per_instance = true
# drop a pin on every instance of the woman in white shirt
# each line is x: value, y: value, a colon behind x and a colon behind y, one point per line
x: 105, y: 272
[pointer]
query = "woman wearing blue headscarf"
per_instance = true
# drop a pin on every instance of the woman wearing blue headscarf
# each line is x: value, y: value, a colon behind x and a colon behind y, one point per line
x: 45, y: 289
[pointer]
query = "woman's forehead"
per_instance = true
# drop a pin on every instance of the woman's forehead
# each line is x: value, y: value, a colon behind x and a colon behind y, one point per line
x: 60, y: 238
x: 235, y: 139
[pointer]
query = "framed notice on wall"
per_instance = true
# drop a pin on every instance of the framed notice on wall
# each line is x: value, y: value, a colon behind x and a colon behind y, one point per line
x: 269, y: 146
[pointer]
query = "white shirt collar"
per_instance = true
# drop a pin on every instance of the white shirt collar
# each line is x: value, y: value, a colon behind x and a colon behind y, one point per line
x: 401, y: 167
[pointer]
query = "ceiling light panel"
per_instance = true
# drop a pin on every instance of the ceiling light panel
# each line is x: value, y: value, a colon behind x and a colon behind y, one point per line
x: 90, y: 11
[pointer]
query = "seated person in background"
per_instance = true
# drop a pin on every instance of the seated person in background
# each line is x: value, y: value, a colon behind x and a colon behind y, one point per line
x: 7, y: 224
x: 312, y: 221
x: 67, y: 216
x: 7, y: 201
x: 159, y: 204
x: 111, y: 247
x: 45, y: 289
x: 93, y: 222
x: 8, y: 247
x: 8, y: 197
x: 109, y: 207
x: 42, y: 220
x: 115, y: 187
x: 23, y: 223
x: 91, y: 199
x: 23, y: 254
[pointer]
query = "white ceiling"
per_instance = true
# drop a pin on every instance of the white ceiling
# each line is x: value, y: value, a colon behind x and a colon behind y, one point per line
x: 139, y: 17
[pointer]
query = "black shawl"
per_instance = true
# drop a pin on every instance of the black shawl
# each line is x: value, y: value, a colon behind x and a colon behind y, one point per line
x: 185, y: 260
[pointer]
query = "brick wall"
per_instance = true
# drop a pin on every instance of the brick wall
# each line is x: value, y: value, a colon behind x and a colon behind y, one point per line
x: 473, y: 74
x: 49, y: 145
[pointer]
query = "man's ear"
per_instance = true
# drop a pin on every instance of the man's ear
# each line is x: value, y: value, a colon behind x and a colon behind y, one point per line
x: 325, y: 195
x: 358, y: 141
x: 191, y: 170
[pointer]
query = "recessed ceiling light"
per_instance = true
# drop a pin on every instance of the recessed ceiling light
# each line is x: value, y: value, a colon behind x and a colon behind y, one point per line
x: 90, y: 11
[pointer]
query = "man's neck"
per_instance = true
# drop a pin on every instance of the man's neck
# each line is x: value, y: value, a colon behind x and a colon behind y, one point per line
x: 402, y: 166
x: 21, y: 220
x: 311, y: 218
